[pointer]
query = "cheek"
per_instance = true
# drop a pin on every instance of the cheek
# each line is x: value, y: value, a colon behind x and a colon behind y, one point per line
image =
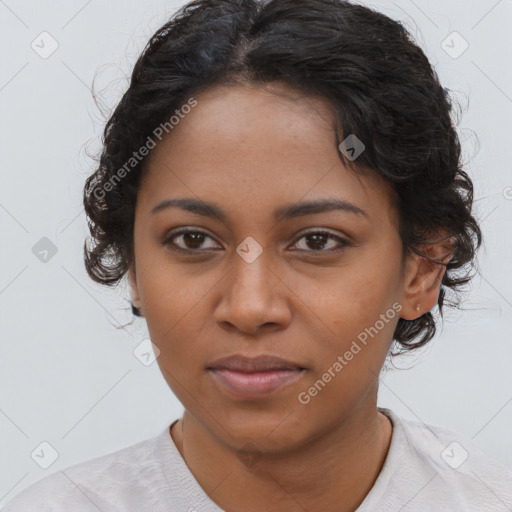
x: 174, y: 302
x: 351, y: 298
x: 358, y: 322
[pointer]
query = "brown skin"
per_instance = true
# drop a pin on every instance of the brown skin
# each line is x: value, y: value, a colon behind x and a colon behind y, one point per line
x: 250, y: 150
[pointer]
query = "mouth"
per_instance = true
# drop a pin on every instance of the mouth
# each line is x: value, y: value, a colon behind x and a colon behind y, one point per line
x: 254, y: 377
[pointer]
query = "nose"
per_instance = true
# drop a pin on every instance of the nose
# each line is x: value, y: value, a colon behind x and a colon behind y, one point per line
x: 253, y: 298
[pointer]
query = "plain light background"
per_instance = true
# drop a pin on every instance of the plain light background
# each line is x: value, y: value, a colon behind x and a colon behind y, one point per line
x: 69, y: 377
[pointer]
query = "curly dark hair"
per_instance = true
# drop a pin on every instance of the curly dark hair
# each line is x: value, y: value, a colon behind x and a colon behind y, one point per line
x: 381, y: 87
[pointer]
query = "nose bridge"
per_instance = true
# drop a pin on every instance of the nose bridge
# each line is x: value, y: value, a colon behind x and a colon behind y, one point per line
x: 251, y: 277
x: 251, y: 294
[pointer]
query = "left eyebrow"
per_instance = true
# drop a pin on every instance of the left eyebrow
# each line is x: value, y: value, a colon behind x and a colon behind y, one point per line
x: 207, y: 209
x: 318, y: 206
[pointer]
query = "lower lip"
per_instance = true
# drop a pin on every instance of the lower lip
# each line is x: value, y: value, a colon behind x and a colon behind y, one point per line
x: 255, y: 385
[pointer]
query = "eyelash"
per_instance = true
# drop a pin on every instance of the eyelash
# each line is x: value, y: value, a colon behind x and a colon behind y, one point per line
x: 169, y: 242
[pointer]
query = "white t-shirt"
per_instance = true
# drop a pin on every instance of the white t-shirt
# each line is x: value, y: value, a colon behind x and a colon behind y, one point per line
x: 427, y: 468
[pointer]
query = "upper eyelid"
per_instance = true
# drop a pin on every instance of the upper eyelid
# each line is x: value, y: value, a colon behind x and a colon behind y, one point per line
x: 182, y: 231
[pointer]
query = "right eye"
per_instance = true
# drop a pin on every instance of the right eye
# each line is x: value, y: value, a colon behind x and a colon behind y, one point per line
x: 190, y: 240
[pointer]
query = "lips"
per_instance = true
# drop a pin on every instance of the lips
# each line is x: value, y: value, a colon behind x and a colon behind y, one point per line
x: 254, y: 377
x: 253, y: 364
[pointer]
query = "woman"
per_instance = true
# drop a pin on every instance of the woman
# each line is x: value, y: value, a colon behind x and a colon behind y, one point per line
x: 281, y: 184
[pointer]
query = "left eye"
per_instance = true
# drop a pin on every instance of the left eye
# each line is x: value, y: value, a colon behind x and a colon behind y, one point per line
x: 192, y: 240
x: 318, y: 239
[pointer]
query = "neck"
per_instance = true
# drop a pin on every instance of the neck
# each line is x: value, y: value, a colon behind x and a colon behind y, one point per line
x: 334, y: 471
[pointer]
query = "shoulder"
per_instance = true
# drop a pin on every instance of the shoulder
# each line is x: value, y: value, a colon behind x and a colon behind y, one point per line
x: 445, y: 469
x: 104, y: 483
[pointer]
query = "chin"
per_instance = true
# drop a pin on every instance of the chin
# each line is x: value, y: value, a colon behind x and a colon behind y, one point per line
x: 273, y: 429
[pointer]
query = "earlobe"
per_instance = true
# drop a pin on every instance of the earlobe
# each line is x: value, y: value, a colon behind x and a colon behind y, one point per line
x: 134, y: 289
x: 422, y: 281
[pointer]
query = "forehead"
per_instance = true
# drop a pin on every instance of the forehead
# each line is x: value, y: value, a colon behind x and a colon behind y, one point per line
x: 256, y: 148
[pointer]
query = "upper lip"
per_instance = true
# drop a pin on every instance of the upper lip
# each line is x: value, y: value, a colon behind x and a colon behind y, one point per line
x: 262, y: 363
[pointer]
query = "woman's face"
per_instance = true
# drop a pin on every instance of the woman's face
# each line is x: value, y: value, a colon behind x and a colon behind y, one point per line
x: 251, y: 284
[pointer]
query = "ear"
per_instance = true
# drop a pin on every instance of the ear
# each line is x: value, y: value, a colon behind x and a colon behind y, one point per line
x: 132, y: 279
x: 422, y: 278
